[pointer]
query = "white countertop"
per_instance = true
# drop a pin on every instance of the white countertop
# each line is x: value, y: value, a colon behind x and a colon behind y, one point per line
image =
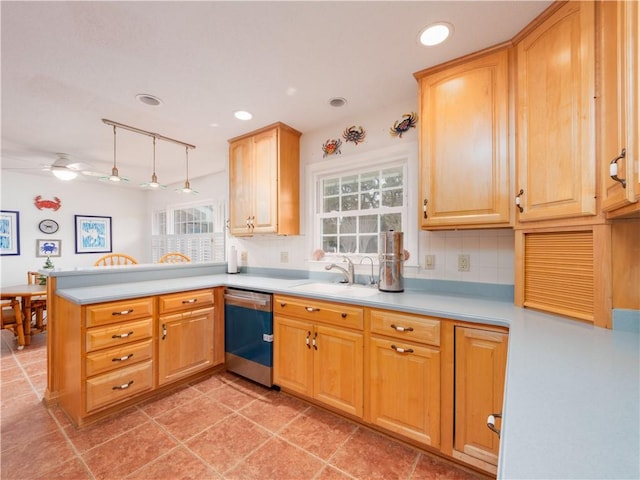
x: 572, y: 392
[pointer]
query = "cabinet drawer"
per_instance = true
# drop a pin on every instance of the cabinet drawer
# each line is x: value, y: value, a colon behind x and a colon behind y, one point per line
x: 104, y: 313
x: 185, y: 300
x: 319, y: 311
x: 119, y: 385
x: 118, y: 334
x: 122, y: 356
x: 405, y: 326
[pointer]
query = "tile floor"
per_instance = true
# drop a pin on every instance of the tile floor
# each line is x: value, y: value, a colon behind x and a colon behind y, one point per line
x: 223, y: 427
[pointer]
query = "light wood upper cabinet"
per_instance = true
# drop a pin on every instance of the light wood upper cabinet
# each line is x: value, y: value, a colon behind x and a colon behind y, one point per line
x: 464, y: 143
x: 555, y: 122
x: 618, y: 107
x: 264, y: 181
x: 480, y: 366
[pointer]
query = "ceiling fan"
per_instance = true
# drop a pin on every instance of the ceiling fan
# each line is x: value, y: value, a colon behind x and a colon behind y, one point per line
x: 66, y: 169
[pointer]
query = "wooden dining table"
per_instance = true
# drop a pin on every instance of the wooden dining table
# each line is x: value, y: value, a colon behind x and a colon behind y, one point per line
x: 25, y: 294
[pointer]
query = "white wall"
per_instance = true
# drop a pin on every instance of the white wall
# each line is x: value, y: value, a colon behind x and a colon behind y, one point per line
x: 129, y: 208
x: 491, y: 251
x: 125, y: 206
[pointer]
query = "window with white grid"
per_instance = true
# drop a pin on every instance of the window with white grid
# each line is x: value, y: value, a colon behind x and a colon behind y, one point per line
x: 354, y: 207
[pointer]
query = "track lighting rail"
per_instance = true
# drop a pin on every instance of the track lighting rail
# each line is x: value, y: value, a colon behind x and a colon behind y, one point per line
x: 145, y: 132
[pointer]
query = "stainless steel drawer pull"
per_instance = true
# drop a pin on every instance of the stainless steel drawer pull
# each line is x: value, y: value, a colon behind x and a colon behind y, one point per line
x: 401, y: 329
x: 124, y: 386
x: 312, y: 309
x: 307, y: 340
x: 122, y: 359
x: 123, y: 312
x: 122, y: 335
x: 402, y: 350
x: 491, y: 422
x: 315, y: 345
x: 193, y: 300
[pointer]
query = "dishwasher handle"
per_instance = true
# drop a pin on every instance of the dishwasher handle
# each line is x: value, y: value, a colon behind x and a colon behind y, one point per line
x: 254, y: 301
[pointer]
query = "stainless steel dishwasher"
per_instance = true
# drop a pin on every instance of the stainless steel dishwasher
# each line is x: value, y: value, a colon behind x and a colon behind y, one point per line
x: 248, y: 334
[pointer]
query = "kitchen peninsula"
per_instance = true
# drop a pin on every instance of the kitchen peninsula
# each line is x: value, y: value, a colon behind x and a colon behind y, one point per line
x: 571, y: 392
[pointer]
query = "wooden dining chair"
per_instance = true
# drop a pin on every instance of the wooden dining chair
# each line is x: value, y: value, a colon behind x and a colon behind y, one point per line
x: 174, y: 257
x: 38, y: 304
x: 115, y: 259
x: 12, y: 319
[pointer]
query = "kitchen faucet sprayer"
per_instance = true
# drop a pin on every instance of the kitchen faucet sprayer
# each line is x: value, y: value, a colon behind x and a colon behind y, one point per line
x: 348, y: 273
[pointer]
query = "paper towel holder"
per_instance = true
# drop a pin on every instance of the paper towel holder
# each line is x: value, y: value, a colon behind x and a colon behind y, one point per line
x: 232, y: 261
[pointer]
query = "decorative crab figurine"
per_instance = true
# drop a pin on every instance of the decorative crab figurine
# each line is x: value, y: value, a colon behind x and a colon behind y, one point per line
x: 331, y: 147
x: 354, y: 134
x: 409, y: 120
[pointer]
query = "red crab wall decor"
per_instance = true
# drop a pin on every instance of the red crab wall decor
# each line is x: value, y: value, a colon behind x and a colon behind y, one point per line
x: 354, y: 134
x: 409, y: 120
x: 331, y: 147
x: 54, y: 204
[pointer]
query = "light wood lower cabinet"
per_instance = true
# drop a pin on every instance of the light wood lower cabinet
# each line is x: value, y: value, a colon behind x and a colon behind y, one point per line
x: 404, y: 375
x: 186, y: 334
x: 317, y: 359
x: 109, y: 355
x: 480, y: 365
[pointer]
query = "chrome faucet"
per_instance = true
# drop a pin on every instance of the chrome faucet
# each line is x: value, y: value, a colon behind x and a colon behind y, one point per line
x: 372, y: 280
x: 348, y: 272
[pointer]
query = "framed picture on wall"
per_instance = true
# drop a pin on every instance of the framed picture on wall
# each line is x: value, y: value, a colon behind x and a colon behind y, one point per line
x: 93, y: 234
x: 9, y: 232
x: 48, y: 248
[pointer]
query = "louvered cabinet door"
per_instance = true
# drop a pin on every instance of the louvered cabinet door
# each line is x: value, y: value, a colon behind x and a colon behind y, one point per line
x: 567, y: 272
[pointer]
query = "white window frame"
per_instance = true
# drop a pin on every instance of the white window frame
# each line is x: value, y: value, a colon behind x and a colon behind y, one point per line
x: 208, y: 246
x: 405, y: 154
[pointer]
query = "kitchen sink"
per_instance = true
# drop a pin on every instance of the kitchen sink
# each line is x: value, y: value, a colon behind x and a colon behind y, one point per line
x: 339, y: 289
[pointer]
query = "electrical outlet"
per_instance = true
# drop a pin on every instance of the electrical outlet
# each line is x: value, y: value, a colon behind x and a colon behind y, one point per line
x: 429, y: 262
x: 244, y: 258
x: 464, y: 263
x: 284, y: 257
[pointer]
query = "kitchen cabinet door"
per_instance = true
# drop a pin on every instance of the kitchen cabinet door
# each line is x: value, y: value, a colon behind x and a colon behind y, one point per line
x: 338, y: 368
x: 185, y: 344
x: 480, y: 366
x: 464, y: 144
x: 618, y: 108
x: 405, y: 389
x: 555, y: 122
x: 240, y: 185
x: 264, y: 177
x: 292, y: 356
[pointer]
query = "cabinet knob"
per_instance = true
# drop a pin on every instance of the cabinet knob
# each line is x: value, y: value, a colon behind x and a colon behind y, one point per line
x: 122, y: 335
x: 124, y: 386
x: 402, y: 350
x: 613, y: 168
x: 122, y: 359
x: 398, y: 328
x: 520, y: 193
x: 491, y: 422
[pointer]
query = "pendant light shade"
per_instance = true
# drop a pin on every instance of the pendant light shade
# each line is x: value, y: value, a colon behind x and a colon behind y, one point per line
x: 154, y: 178
x: 114, y: 177
x: 187, y: 185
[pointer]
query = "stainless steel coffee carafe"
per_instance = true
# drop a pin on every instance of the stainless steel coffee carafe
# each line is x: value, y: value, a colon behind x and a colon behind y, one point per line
x: 391, y: 262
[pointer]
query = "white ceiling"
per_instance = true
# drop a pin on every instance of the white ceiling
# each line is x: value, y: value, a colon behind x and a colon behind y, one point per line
x: 67, y: 65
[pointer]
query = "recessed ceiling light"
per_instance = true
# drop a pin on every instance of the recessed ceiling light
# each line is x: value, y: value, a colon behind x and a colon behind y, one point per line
x: 150, y: 100
x: 242, y: 115
x: 435, y: 34
x: 337, y: 102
